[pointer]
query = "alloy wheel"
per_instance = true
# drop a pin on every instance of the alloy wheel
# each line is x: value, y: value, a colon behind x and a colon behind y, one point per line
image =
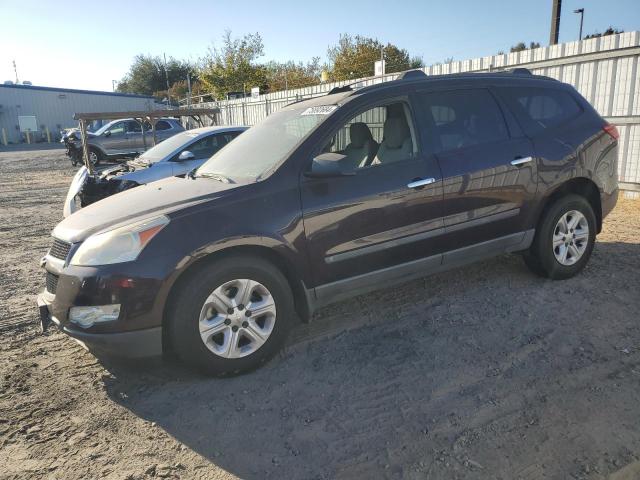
x: 570, y: 238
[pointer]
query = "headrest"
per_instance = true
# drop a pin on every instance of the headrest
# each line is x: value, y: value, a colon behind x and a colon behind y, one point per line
x: 360, y: 134
x: 396, y: 132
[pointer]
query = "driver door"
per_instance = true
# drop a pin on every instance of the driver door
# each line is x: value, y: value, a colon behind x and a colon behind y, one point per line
x: 115, y: 139
x: 382, y: 220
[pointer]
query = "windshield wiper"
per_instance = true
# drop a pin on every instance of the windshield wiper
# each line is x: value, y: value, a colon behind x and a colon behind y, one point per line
x: 215, y: 176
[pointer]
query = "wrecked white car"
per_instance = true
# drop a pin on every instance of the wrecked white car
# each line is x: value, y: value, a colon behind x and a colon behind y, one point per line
x: 174, y: 157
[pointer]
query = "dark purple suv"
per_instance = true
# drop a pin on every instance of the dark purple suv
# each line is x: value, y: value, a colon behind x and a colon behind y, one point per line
x: 329, y: 198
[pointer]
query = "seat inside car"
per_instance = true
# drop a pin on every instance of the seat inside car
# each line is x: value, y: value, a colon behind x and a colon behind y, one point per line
x: 396, y: 144
x: 362, y: 147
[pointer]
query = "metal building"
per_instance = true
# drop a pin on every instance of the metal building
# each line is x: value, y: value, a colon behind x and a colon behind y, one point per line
x: 38, y: 110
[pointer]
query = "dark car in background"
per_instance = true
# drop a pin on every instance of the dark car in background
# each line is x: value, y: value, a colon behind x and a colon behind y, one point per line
x: 329, y: 198
x: 119, y: 139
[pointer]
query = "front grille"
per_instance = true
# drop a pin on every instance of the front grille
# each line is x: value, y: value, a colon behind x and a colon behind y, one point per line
x: 59, y: 249
x: 52, y: 282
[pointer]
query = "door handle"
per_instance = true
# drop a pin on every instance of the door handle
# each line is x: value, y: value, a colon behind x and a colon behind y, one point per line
x: 421, y: 183
x: 520, y: 161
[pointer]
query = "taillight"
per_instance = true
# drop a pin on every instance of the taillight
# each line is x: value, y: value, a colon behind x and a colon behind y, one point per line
x: 612, y: 131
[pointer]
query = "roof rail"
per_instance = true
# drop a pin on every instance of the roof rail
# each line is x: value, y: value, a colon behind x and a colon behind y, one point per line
x: 411, y: 74
x: 344, y: 88
x: 520, y: 71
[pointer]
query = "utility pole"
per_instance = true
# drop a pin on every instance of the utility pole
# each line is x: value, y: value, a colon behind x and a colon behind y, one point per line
x: 113, y: 85
x: 555, y: 22
x: 189, y: 89
x: 166, y: 77
x: 581, y: 12
x: 15, y: 69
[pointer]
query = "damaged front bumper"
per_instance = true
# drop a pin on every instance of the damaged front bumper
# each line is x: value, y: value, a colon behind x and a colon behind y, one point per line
x: 135, y: 344
x: 86, y: 188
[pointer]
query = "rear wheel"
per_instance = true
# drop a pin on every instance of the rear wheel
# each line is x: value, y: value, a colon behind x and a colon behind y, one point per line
x: 231, y: 317
x: 564, y: 239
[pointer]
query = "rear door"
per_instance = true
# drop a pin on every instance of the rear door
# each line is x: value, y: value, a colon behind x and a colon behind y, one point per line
x: 164, y: 130
x: 135, y: 141
x: 488, y: 167
x: 384, y: 215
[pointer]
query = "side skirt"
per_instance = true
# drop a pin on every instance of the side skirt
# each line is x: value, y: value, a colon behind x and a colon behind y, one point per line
x: 351, y: 287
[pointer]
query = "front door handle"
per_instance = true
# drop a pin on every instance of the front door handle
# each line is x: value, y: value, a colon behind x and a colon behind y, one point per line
x: 520, y: 161
x: 421, y: 182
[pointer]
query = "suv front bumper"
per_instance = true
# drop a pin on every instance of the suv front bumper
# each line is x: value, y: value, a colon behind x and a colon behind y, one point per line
x: 131, y: 344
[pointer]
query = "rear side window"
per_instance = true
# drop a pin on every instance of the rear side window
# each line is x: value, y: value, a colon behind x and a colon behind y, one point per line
x: 463, y: 118
x: 541, y: 108
x: 162, y: 125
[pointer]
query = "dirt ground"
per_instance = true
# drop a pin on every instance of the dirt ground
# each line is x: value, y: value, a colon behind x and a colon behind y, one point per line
x: 484, y: 372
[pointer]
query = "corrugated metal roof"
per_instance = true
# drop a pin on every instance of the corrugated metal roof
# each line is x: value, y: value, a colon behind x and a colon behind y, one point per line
x: 73, y: 90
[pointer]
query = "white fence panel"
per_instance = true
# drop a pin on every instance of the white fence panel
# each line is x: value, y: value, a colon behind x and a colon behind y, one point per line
x: 604, y: 70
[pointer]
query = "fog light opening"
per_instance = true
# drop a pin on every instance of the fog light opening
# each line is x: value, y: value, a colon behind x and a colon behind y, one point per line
x: 85, y: 317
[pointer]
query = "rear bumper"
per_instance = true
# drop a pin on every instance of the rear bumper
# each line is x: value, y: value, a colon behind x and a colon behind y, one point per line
x: 131, y: 344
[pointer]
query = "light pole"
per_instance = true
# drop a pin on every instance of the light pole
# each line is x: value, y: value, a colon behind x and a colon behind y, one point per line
x: 581, y: 12
x: 113, y: 85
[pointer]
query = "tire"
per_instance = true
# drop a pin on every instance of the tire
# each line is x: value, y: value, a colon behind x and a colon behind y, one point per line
x: 559, y: 251
x: 95, y: 156
x: 189, y: 315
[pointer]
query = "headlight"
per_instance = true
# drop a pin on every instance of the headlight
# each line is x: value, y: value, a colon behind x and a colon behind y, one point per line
x: 122, y: 244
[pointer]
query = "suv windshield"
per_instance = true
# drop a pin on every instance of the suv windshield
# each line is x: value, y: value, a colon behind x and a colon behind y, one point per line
x: 264, y: 146
x: 166, y: 147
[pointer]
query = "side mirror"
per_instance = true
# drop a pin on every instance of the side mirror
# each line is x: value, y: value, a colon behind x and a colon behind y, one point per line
x: 107, y: 133
x: 186, y: 155
x: 327, y: 165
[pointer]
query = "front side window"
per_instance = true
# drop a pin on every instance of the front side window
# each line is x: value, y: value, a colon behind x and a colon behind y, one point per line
x: 379, y: 135
x: 206, y: 147
x: 117, y: 129
x: 162, y: 125
x: 462, y: 118
x: 264, y: 146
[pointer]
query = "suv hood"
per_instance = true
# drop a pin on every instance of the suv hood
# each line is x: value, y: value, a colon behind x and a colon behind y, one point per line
x: 142, y: 202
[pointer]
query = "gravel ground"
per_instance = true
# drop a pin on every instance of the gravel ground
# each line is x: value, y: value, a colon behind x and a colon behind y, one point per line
x: 484, y: 372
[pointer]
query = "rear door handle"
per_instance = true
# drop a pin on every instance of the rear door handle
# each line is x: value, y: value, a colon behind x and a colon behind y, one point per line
x: 421, y: 183
x: 520, y: 161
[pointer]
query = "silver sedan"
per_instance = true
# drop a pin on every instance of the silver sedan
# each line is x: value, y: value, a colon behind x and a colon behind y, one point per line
x: 174, y: 157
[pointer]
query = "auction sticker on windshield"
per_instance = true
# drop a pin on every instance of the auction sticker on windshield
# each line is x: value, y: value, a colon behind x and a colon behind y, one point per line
x: 320, y: 110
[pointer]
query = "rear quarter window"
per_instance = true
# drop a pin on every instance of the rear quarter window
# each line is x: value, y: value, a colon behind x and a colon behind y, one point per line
x: 538, y: 109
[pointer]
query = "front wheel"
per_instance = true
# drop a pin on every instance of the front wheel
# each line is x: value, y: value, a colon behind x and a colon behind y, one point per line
x: 232, y: 316
x: 564, y: 239
x: 95, y: 156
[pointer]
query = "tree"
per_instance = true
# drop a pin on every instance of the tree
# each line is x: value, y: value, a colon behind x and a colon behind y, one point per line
x: 180, y: 90
x: 354, y: 57
x: 282, y: 76
x: 519, y: 47
x: 233, y: 67
x: 608, y: 31
x: 147, y: 76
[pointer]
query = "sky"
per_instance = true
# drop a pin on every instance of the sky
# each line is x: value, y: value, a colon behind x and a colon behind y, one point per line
x: 88, y: 44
